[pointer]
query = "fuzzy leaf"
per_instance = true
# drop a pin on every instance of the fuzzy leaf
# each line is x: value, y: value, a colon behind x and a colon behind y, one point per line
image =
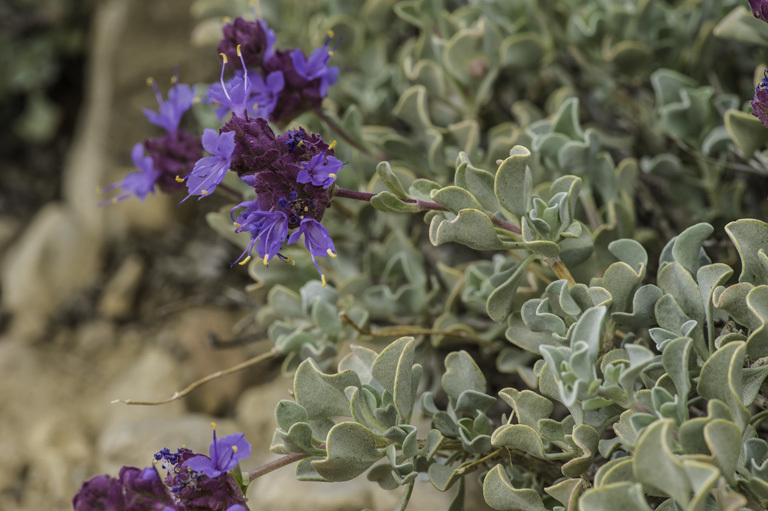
x: 750, y: 237
x: 513, y: 182
x: 322, y: 395
x: 502, y: 496
x: 656, y: 465
x: 462, y: 373
x: 624, y: 496
x: 351, y: 451
x: 394, y: 370
x: 471, y: 227
x: 721, y: 378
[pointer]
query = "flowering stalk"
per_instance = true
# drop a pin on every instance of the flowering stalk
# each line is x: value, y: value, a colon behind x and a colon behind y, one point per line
x: 434, y: 206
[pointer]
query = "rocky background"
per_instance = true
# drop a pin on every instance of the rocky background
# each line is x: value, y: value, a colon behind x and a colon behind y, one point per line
x: 118, y: 302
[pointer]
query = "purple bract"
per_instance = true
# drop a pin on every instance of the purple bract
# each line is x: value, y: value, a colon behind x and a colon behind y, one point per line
x: 760, y: 102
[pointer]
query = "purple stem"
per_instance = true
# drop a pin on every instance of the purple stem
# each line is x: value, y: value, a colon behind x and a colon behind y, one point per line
x: 352, y: 194
x: 274, y: 465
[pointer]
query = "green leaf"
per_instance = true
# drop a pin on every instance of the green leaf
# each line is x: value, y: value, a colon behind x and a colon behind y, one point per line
x: 390, y: 180
x: 394, y: 370
x: 499, y: 303
x: 502, y: 496
x: 528, y: 406
x: 412, y: 108
x: 389, y: 203
x: 322, y: 395
x: 351, y: 449
x: 455, y: 198
x: 513, y: 182
x: 566, y: 492
x: 519, y: 436
x: 721, y: 378
x: 757, y: 342
x: 623, y: 496
x: 288, y: 413
x: 677, y: 358
x: 360, y: 360
x: 462, y: 373
x: 746, y: 131
x: 750, y: 237
x: 442, y: 476
x: 687, y: 247
x: 656, y: 465
x: 724, y: 441
x: 710, y: 277
x: 586, y: 438
x: 471, y: 227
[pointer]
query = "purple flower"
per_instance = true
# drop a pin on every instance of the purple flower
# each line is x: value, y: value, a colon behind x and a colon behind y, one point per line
x: 180, y: 99
x: 321, y: 170
x: 760, y: 103
x: 266, y: 92
x: 254, y: 37
x: 195, y: 491
x: 100, y: 493
x: 144, y: 490
x: 298, y: 94
x: 317, y: 240
x: 174, y: 155
x: 759, y: 9
x: 237, y: 507
x: 209, y: 171
x: 234, y: 94
x: 225, y: 454
x: 137, y: 184
x: 268, y: 228
x: 316, y: 66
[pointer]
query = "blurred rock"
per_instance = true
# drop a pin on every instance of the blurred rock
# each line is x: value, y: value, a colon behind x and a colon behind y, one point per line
x: 120, y: 292
x: 95, y: 337
x: 255, y: 412
x: 153, y: 377
x: 55, y: 257
x: 190, y: 333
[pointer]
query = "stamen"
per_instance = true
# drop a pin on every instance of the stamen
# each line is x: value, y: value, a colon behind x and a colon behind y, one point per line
x: 114, y: 200
x: 226, y: 19
x: 204, y: 192
x: 245, y: 69
x: 196, y: 100
x: 179, y: 179
x: 237, y: 225
x: 330, y: 33
x: 223, y: 66
x: 234, y: 448
x: 174, y: 79
x: 322, y: 278
x: 306, y: 208
x: 255, y: 106
x: 266, y: 259
x: 330, y: 253
x: 244, y: 261
x: 301, y: 143
x: 99, y: 190
x: 333, y: 144
x: 213, y: 425
x: 332, y: 175
x: 152, y: 83
x: 330, y: 53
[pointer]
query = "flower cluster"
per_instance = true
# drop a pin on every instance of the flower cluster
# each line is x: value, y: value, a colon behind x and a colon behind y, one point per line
x: 169, y: 156
x: 277, y: 84
x: 292, y: 174
x: 194, y: 482
x: 760, y: 102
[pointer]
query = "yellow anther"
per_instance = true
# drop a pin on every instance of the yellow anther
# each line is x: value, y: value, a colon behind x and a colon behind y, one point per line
x: 204, y: 192
x: 213, y: 425
x: 99, y: 190
x: 224, y: 57
x: 239, y: 53
x: 266, y: 259
x: 196, y: 100
x: 234, y: 448
x: 330, y: 253
x: 150, y: 81
x: 322, y: 278
x: 301, y: 143
x: 333, y: 144
x: 183, y: 446
x: 306, y: 208
x: 156, y: 461
x: 174, y: 79
x: 237, y: 225
x: 330, y: 53
x: 332, y: 176
x: 179, y: 179
x: 301, y: 217
x: 255, y: 106
x: 226, y: 19
x: 244, y: 261
x: 289, y: 259
x: 114, y: 200
x: 330, y: 33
